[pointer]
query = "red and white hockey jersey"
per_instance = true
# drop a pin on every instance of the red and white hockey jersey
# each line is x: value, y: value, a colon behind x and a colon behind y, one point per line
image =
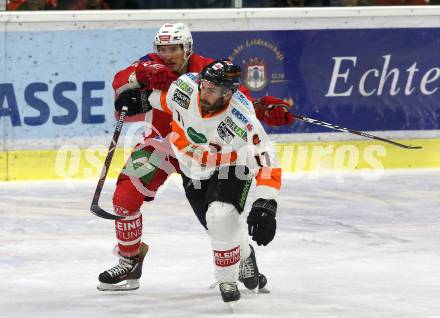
x: 233, y: 136
x: 159, y: 120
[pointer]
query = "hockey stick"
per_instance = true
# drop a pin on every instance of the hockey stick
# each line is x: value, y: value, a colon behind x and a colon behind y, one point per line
x: 94, y: 208
x: 360, y: 133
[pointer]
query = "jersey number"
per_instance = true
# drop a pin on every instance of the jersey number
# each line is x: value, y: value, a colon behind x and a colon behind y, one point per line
x: 180, y: 119
x: 263, y: 160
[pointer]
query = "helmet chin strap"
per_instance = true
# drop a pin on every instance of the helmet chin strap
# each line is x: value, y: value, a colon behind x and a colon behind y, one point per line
x: 185, y: 62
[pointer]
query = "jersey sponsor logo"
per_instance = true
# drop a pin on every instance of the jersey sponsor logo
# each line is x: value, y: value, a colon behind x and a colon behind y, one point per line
x: 225, y: 133
x: 195, y: 136
x: 237, y: 130
x: 181, y: 99
x: 227, y: 258
x: 128, y: 231
x: 240, y: 116
x: 184, y: 86
x: 192, y: 76
x: 164, y: 38
x: 242, y: 99
x: 244, y: 193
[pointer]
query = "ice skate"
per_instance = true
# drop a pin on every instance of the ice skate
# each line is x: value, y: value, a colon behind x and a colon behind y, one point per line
x: 230, y: 294
x: 249, y: 274
x: 125, y: 275
x: 262, y: 282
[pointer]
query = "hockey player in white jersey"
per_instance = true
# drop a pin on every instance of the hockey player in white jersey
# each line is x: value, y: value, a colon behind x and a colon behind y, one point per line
x: 221, y: 147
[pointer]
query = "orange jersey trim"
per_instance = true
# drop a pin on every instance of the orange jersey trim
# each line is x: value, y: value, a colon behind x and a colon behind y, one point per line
x: 163, y: 103
x: 203, y: 157
x: 217, y: 159
x: 270, y: 177
x: 178, y: 137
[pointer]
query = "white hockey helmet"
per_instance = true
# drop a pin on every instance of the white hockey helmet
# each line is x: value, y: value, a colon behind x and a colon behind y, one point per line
x: 174, y: 33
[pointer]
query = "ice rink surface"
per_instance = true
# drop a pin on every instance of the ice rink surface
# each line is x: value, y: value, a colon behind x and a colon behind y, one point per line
x: 345, y: 247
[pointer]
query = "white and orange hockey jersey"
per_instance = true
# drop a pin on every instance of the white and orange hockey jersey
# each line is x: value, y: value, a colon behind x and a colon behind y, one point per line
x: 233, y: 136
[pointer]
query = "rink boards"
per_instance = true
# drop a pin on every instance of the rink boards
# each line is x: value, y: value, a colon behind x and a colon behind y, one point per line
x: 369, y: 157
x: 369, y: 69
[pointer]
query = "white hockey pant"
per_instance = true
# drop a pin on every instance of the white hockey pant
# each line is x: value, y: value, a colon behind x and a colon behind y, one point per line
x: 229, y: 240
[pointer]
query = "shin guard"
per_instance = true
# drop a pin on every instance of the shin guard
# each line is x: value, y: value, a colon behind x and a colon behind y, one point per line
x: 225, y: 231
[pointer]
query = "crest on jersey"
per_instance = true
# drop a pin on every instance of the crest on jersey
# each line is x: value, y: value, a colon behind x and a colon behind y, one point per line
x: 256, y: 75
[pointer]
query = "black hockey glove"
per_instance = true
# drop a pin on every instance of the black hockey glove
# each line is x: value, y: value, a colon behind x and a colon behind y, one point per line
x: 136, y: 101
x: 261, y: 221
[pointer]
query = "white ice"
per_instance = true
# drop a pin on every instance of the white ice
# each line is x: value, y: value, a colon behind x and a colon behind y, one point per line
x: 357, y: 248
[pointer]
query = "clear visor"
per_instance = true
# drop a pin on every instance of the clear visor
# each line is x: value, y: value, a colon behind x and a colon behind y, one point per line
x: 210, y: 88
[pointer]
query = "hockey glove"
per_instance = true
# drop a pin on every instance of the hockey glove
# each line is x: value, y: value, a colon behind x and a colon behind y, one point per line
x: 261, y: 221
x: 136, y: 101
x: 152, y: 75
x: 273, y: 111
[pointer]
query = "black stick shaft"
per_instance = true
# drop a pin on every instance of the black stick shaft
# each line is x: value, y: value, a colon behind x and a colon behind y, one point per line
x: 94, y: 208
x: 356, y: 132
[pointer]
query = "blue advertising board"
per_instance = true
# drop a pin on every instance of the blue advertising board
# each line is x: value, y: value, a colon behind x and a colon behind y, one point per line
x: 365, y: 79
x: 57, y: 84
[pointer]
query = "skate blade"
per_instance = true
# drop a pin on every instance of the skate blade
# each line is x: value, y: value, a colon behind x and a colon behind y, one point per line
x: 263, y: 290
x: 213, y: 285
x: 250, y: 291
x: 129, y: 284
x: 232, y: 305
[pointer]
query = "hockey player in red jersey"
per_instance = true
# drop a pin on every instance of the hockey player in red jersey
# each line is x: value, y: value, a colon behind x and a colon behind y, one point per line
x: 173, y: 57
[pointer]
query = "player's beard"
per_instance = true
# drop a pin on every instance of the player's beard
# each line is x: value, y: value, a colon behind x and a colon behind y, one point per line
x: 212, y: 108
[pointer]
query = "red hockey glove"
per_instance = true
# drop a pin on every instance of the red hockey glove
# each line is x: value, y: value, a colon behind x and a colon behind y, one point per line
x: 153, y: 75
x: 273, y: 111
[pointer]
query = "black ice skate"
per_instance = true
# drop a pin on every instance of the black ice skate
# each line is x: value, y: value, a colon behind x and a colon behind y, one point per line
x: 125, y: 275
x: 230, y: 292
x: 249, y: 274
x: 262, y: 282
